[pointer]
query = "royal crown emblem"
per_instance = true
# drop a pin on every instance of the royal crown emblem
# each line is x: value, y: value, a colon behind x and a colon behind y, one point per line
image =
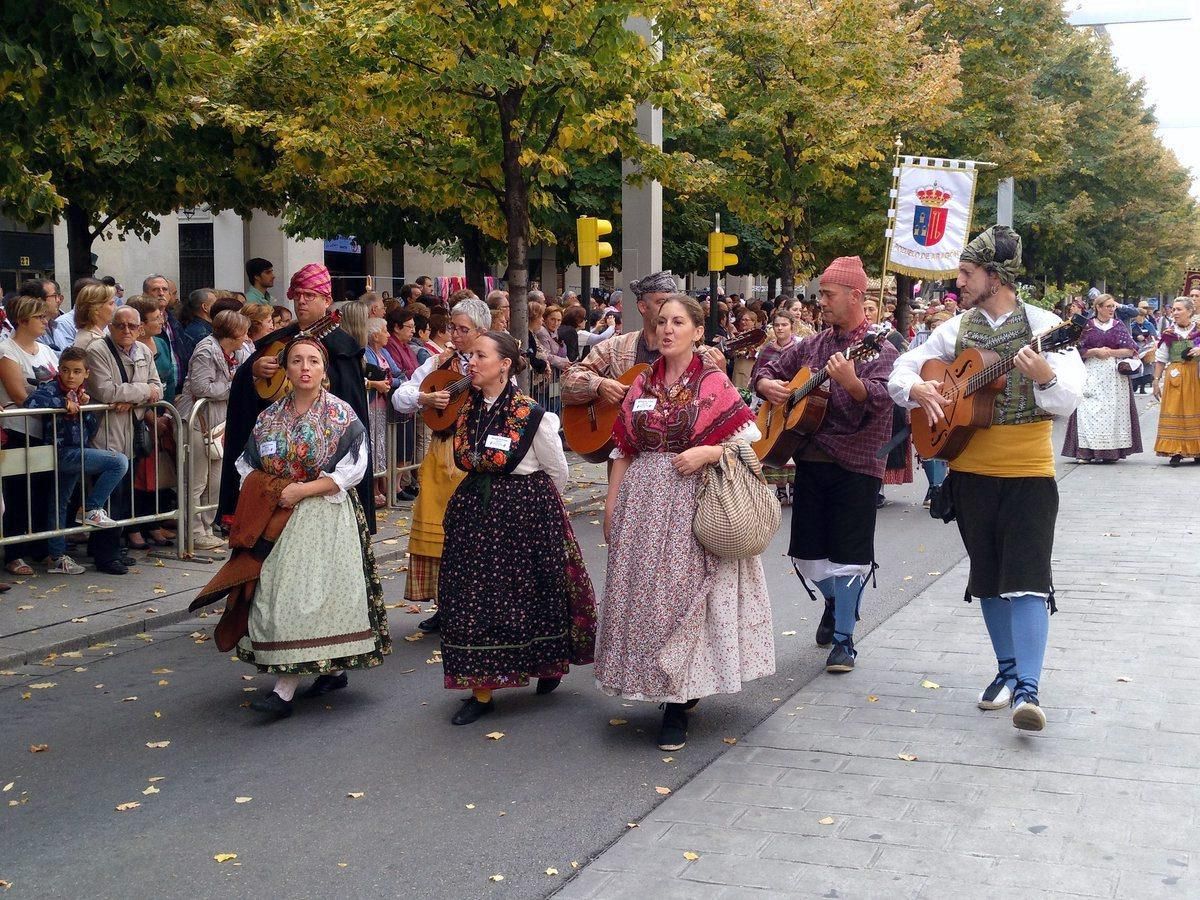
x: 929, y: 217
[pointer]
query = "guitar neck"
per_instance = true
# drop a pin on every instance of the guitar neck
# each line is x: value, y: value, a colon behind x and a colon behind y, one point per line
x: 809, y: 386
x: 1002, y: 366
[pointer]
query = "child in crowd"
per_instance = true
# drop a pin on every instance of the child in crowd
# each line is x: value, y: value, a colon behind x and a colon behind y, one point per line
x: 73, y: 432
x: 281, y: 317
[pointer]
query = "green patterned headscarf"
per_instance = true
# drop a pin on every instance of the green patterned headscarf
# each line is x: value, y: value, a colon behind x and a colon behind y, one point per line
x: 982, y: 252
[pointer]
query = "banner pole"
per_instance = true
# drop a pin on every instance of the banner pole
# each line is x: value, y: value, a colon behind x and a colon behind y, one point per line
x: 890, y: 231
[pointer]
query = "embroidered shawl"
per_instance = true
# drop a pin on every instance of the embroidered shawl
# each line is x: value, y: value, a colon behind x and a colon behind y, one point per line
x: 514, y: 416
x: 1116, y: 337
x: 702, y: 408
x: 302, y: 447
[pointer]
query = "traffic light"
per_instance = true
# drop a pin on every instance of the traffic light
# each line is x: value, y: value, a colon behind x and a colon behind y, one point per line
x: 718, y: 243
x: 589, y: 230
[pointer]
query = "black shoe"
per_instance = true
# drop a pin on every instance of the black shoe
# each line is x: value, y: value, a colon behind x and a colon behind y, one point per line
x: 825, y: 629
x: 127, y: 560
x: 841, y: 657
x: 673, y: 733
x: 432, y: 624
x: 471, y: 710
x: 546, y: 685
x: 1174, y: 461
x: 112, y: 567
x: 324, y: 684
x: 690, y: 705
x: 274, y: 704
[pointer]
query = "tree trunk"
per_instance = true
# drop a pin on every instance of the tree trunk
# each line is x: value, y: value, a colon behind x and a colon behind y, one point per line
x: 79, y: 245
x: 787, y: 259
x: 516, y: 215
x: 904, y: 294
x: 474, y: 260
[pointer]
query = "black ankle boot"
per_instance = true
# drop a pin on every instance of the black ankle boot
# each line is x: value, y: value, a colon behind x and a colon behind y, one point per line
x: 673, y: 733
x: 825, y: 629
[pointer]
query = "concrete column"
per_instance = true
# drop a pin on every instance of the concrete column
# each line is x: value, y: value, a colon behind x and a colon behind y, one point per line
x: 229, y: 261
x: 641, y: 207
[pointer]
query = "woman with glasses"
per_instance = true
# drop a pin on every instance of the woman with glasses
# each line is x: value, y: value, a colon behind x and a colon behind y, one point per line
x: 25, y: 363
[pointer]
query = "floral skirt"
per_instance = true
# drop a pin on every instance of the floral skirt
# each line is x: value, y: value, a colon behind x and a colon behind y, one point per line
x: 319, y: 603
x: 1179, y: 415
x: 676, y: 623
x: 514, y: 595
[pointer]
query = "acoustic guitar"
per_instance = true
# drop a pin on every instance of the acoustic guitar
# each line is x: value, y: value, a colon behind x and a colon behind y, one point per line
x: 784, y: 426
x: 588, y: 427
x: 971, y: 383
x: 271, y: 389
x: 456, y: 385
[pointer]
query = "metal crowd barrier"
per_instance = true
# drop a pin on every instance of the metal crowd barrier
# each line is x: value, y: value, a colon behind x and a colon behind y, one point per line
x: 26, y: 457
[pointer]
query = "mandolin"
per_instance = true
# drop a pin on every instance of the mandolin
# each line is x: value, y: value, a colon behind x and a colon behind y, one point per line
x: 971, y: 383
x: 750, y: 340
x: 784, y: 426
x: 449, y: 380
x: 588, y: 427
x: 271, y: 389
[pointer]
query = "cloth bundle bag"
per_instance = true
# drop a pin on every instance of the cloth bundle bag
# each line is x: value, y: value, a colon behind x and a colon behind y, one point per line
x: 737, y: 512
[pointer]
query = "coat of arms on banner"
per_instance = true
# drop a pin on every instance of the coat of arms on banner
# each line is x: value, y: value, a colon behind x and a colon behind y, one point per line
x: 932, y: 219
x: 929, y: 218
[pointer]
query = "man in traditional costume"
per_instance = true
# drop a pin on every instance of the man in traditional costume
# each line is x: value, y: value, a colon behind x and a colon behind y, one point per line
x: 1002, y: 484
x: 438, y: 475
x: 596, y: 375
x: 311, y: 290
x: 838, y: 470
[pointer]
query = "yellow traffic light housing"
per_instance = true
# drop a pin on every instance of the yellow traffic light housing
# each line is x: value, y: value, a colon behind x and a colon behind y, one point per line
x: 589, y: 230
x: 718, y: 243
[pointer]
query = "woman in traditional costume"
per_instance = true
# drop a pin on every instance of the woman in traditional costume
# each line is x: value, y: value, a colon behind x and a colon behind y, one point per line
x: 318, y: 606
x: 677, y: 623
x: 1104, y: 427
x: 1177, y: 384
x: 508, y: 617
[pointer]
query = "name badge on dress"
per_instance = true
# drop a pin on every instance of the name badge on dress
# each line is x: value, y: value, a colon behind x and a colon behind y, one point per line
x: 496, y: 442
x: 645, y: 404
x: 267, y: 448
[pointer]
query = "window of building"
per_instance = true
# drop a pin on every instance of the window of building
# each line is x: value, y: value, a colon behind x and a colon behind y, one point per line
x: 196, y: 267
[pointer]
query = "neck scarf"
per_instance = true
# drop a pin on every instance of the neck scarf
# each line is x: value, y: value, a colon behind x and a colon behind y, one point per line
x: 701, y: 409
x: 303, y: 446
x: 404, y: 356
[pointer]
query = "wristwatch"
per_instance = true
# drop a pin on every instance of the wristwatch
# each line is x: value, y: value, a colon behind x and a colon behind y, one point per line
x: 1049, y: 384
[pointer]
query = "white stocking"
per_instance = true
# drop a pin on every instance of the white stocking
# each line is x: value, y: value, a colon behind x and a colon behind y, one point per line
x: 285, y: 686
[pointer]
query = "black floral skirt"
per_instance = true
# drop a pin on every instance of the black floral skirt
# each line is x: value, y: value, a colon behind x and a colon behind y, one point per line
x: 515, y: 598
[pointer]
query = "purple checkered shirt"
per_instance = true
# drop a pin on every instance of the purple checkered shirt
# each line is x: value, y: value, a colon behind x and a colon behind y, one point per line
x: 851, y: 433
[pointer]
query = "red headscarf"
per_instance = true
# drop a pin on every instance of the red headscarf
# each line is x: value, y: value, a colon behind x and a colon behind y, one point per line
x: 313, y: 277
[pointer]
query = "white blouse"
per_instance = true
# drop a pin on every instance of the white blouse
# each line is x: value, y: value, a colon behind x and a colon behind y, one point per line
x: 346, y: 474
x: 1163, y: 353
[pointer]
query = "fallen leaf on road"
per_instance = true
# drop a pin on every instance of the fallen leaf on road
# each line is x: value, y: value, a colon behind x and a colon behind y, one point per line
x: 494, y: 735
x: 24, y: 608
x: 871, y: 698
x: 552, y: 871
x: 574, y: 865
x: 125, y: 807
x: 162, y: 682
x: 157, y: 714
x: 495, y: 878
x: 158, y: 745
x: 789, y: 633
x: 249, y: 690
x: 150, y: 790
x: 154, y: 778
x: 618, y: 721
x: 5, y: 885
x: 690, y: 856
x: 242, y: 799
x: 79, y: 620
x: 668, y: 759
x: 162, y: 671
x: 8, y: 787
x: 26, y: 695
x: 907, y: 757
x: 79, y: 669
x: 38, y: 748
x: 225, y: 857
x: 43, y: 685
x: 932, y: 685
x: 415, y: 636
x: 1123, y: 679
x: 662, y: 790
x: 390, y: 541
x: 729, y: 741
x: 151, y: 609
x: 8, y: 672
x: 356, y: 795
x: 828, y: 820
x: 128, y: 699
x: 933, y: 573
x: 159, y: 564
x: 470, y: 806
x: 908, y: 578
x: 343, y: 865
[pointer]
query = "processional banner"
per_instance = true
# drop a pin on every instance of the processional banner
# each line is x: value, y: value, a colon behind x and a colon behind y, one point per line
x: 930, y: 220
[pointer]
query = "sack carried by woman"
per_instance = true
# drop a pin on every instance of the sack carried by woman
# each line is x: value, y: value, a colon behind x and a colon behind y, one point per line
x: 737, y: 512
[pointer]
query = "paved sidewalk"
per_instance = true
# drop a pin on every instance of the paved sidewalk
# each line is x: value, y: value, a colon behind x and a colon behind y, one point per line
x: 49, y: 614
x: 818, y: 801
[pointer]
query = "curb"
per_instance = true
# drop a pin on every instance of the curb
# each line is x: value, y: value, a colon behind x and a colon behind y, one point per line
x: 125, y: 629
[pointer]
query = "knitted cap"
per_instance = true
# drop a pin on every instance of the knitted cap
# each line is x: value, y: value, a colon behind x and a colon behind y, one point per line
x: 847, y: 271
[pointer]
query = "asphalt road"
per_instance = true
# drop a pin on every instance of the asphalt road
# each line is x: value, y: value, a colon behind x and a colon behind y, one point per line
x: 442, y: 809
